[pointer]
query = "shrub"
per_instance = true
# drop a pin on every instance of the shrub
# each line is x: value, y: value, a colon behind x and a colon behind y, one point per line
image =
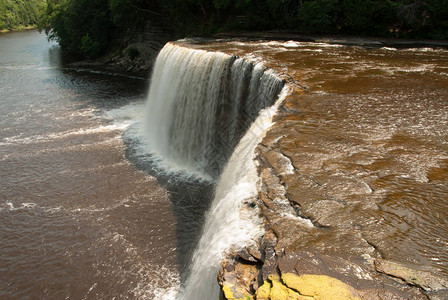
x: 90, y: 47
x: 319, y: 15
x: 132, y: 53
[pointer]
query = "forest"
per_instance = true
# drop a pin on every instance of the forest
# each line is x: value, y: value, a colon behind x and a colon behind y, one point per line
x: 90, y: 27
x: 18, y: 14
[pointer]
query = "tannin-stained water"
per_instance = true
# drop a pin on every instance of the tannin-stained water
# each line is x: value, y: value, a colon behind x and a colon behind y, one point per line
x: 200, y: 104
x: 97, y: 209
x: 82, y: 214
x: 371, y: 130
x: 77, y: 219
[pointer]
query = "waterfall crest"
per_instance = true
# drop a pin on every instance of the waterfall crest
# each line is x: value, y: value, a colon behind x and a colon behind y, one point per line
x: 199, y: 105
x: 230, y: 225
x: 206, y: 113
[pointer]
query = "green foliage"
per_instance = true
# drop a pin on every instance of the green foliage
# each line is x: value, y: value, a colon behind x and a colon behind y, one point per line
x: 89, y: 46
x: 90, y: 26
x: 368, y: 17
x: 83, y: 26
x: 436, y: 14
x: 320, y: 15
x: 132, y: 14
x: 16, y: 14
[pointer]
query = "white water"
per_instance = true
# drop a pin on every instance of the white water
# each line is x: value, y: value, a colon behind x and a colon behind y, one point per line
x: 199, y: 105
x: 228, y: 226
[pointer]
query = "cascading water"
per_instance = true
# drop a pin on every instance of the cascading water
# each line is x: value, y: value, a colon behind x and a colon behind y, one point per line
x: 200, y: 104
x: 228, y: 225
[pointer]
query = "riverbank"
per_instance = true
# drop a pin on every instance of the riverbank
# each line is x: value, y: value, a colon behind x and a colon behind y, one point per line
x: 137, y: 59
x: 18, y: 29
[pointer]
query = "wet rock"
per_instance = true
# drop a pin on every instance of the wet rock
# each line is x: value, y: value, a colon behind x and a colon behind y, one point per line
x: 304, y: 189
x: 425, y: 280
x: 251, y: 254
x: 270, y: 264
x: 255, y: 252
x: 274, y: 188
x: 325, y: 212
x: 248, y: 256
x: 237, y: 279
x: 355, y: 271
x: 280, y: 162
x: 341, y: 187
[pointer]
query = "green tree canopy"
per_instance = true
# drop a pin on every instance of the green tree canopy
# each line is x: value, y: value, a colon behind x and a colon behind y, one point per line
x: 15, y: 14
x: 90, y: 26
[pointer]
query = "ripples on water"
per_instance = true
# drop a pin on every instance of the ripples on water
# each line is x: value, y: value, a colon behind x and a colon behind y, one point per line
x: 82, y: 217
x: 379, y: 117
x: 77, y: 219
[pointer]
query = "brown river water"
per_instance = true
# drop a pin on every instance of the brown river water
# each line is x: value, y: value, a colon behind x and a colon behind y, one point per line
x: 80, y: 215
x: 85, y: 215
x: 371, y: 129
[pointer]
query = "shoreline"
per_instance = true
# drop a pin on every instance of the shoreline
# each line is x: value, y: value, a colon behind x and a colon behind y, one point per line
x: 18, y: 29
x: 116, y: 61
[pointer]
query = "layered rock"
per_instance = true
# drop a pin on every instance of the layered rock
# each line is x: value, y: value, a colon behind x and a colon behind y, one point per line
x: 351, y: 174
x: 306, y: 240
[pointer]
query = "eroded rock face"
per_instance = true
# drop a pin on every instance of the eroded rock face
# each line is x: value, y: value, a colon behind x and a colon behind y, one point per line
x: 423, y: 279
x: 352, y: 175
x: 307, y: 238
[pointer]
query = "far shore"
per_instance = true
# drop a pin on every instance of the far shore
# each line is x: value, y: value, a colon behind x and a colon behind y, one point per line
x: 18, y: 29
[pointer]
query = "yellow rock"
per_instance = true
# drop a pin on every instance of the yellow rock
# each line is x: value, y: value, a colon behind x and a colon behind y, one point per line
x: 292, y: 295
x: 320, y: 287
x: 278, y: 290
x: 228, y: 294
x: 273, y: 277
x: 227, y: 289
x: 273, y: 289
x: 264, y: 291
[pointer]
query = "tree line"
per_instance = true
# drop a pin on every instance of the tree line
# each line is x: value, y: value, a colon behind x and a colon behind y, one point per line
x: 16, y: 14
x: 91, y: 26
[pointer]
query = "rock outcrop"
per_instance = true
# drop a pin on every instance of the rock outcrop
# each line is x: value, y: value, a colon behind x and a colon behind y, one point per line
x: 351, y: 174
x: 308, y: 251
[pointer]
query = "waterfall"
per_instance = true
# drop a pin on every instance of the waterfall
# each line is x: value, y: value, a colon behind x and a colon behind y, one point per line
x: 206, y: 113
x: 228, y: 226
x: 199, y: 105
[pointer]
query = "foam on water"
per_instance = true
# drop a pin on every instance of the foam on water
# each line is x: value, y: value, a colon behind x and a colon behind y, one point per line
x: 15, y: 140
x: 200, y: 103
x: 228, y: 225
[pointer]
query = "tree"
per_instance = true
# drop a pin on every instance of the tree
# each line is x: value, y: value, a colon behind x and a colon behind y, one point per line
x: 16, y: 14
x: 84, y: 26
x: 320, y: 15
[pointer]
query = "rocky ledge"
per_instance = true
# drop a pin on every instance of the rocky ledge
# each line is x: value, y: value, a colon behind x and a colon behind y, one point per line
x: 313, y: 248
x: 134, y: 54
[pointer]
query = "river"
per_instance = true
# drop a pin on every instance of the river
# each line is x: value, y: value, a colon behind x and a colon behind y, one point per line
x: 78, y: 219
x: 87, y: 211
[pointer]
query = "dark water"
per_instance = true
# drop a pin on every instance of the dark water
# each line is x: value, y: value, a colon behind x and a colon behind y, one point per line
x: 80, y: 216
